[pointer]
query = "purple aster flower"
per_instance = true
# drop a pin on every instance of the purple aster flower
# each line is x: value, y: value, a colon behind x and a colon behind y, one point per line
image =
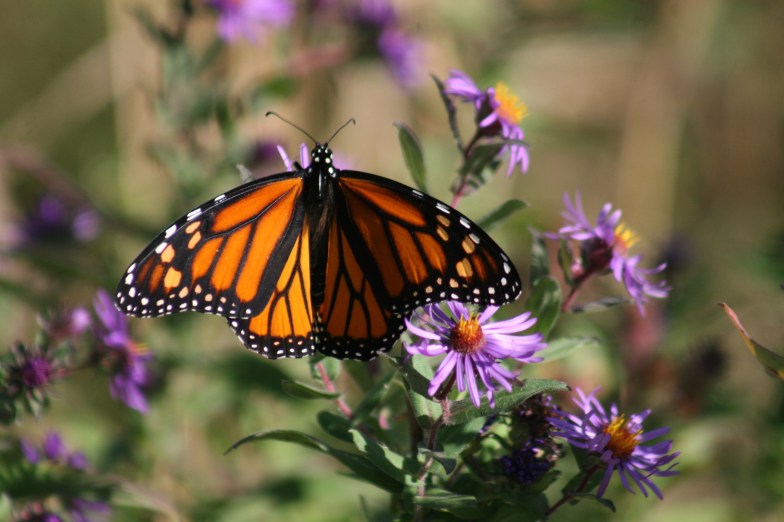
x: 126, y: 359
x: 499, y: 112
x: 30, y: 370
x: 473, y: 346
x: 606, y: 246
x: 52, y: 220
x: 619, y: 441
x: 247, y: 18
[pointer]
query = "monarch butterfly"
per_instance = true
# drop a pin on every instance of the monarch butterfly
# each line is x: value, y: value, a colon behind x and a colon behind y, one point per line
x: 317, y: 259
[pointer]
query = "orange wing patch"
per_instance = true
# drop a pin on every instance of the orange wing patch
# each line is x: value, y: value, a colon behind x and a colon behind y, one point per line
x: 423, y: 250
x: 223, y: 257
x: 353, y: 323
x: 284, y: 328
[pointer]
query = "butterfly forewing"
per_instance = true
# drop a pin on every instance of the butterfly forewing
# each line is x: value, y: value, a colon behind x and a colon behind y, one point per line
x: 421, y: 249
x: 223, y: 257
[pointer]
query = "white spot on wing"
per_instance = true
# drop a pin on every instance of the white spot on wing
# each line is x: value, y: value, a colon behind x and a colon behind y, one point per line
x: 169, y: 231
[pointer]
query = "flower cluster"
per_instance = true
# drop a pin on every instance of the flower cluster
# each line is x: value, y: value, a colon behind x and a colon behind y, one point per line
x: 605, y: 246
x: 25, y: 375
x: 53, y: 452
x: 125, y: 359
x: 535, y: 451
x: 618, y: 441
x: 473, y: 347
x: 499, y: 113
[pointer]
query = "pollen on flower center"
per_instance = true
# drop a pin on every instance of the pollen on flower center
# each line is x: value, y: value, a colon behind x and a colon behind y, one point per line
x: 467, y: 336
x: 510, y: 107
x: 625, y: 238
x: 622, y: 441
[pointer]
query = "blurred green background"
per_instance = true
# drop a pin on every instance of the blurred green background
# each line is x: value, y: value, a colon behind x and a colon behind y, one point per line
x: 673, y: 110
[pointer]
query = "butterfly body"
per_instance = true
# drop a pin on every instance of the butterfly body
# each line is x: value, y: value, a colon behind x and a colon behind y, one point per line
x: 318, y: 259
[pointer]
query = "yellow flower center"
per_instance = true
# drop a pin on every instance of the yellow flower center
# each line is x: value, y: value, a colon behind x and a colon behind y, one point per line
x: 622, y: 441
x: 467, y: 336
x: 510, y: 107
x: 625, y: 238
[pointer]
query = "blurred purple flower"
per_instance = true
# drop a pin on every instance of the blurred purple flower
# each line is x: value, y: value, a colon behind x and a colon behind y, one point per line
x: 126, y: 359
x: 51, y: 220
x: 473, y: 347
x: 499, y: 112
x: 67, y: 324
x: 54, y: 450
x: 606, y: 246
x: 248, y: 18
x: 53, y: 447
x: 618, y: 441
x: 398, y: 49
x: 30, y: 370
x: 82, y: 510
x: 30, y: 452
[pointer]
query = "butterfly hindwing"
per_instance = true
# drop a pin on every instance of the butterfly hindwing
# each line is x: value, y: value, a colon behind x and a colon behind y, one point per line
x: 354, y: 323
x: 284, y: 328
x: 223, y: 257
x: 420, y: 249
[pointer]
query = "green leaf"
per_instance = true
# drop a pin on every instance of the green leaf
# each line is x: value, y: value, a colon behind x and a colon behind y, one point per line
x: 606, y: 502
x: 301, y: 390
x: 461, y: 506
x: 372, y: 397
x: 451, y: 113
x: 465, y: 410
x: 506, y: 209
x: 359, y: 372
x: 482, y: 157
x: 412, y: 154
x: 455, y: 438
x: 565, y: 346
x: 540, y: 262
x: 600, y: 305
x: 772, y: 362
x: 525, y: 507
x: 565, y: 261
x: 293, y: 436
x: 393, y: 464
x: 336, y: 425
x: 416, y: 378
x: 545, y: 304
x: 359, y: 464
x: 448, y: 463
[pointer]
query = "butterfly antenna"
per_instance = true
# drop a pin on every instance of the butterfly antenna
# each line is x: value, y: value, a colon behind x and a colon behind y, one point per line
x: 303, y: 131
x: 350, y: 120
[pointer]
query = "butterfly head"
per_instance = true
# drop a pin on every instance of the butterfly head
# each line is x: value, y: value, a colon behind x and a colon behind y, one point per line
x: 321, y: 157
